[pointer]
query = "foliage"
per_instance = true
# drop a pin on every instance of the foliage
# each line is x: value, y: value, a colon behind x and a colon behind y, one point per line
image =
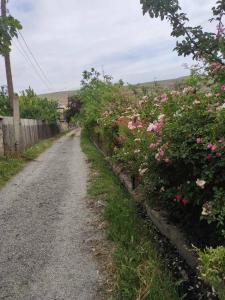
x: 74, y: 108
x: 8, y: 30
x: 172, y: 142
x: 34, y: 107
x: 139, y: 273
x: 213, y: 268
x: 4, y: 103
x: 95, y: 93
x: 200, y: 44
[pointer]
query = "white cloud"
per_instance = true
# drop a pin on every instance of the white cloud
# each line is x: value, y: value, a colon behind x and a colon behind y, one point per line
x: 68, y: 36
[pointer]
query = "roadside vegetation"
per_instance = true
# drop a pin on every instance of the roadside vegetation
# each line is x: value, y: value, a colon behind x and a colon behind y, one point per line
x: 171, y: 142
x: 139, y: 272
x: 10, y: 166
x: 31, y: 106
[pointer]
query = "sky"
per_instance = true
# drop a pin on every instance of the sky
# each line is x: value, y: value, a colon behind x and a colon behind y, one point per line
x: 70, y: 36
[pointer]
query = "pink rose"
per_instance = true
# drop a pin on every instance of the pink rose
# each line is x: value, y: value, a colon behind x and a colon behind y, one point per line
x: 184, y: 201
x: 152, y: 146
x: 223, y: 87
x: 212, y: 147
x: 209, y: 157
x: 178, y: 198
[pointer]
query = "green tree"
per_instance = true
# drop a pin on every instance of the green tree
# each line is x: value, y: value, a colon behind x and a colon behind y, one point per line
x: 9, y: 27
x: 34, y: 107
x: 4, y: 103
x: 209, y: 46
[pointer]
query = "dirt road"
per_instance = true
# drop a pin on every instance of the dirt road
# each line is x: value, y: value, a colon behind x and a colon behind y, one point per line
x: 44, y: 225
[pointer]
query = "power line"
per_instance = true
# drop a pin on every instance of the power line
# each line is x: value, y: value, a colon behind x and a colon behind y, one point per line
x: 23, y: 52
x: 37, y: 68
x: 34, y: 58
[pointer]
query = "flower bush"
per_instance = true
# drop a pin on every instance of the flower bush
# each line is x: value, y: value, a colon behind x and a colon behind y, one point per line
x: 172, y: 142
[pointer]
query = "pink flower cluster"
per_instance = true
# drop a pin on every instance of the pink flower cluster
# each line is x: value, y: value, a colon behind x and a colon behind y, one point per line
x: 212, y: 147
x: 216, y: 67
x: 154, y: 145
x: 143, y: 101
x: 156, y: 126
x: 199, y: 141
x: 181, y: 200
x: 188, y: 89
x: 160, y: 155
x: 135, y: 123
x: 162, y: 98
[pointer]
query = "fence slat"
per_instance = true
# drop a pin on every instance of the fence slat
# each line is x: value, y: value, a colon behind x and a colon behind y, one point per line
x: 32, y: 131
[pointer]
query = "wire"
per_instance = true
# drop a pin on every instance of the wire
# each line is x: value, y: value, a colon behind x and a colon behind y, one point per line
x: 28, y: 59
x: 34, y: 58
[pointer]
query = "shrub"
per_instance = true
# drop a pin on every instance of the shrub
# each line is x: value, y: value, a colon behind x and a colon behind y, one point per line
x: 172, y: 142
x: 34, y: 107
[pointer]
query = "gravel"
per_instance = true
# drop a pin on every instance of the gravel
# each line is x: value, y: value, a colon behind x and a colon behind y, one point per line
x: 44, y: 223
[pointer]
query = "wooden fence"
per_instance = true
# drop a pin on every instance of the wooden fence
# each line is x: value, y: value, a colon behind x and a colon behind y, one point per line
x: 32, y: 131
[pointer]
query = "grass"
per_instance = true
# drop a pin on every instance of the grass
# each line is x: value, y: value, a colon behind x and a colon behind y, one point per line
x: 139, y: 270
x: 11, y: 166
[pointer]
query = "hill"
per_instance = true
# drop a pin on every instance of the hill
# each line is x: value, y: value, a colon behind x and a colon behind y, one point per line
x: 62, y: 97
x: 169, y: 83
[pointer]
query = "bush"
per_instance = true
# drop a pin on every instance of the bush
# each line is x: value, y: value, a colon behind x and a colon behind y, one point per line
x: 172, y: 142
x: 34, y: 107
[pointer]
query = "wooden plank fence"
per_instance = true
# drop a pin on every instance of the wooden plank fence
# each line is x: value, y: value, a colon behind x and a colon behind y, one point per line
x: 32, y: 131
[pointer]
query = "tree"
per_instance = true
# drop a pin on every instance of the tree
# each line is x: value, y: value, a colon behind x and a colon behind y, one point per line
x: 9, y: 27
x: 74, y: 107
x: 208, y: 46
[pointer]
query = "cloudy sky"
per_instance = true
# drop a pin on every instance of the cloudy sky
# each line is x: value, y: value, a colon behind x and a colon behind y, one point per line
x: 69, y: 36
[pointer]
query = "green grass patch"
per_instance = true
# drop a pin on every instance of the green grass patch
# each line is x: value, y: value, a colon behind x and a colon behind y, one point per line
x: 140, y: 273
x: 11, y: 166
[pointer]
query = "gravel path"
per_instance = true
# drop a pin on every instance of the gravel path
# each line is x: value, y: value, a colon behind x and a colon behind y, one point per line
x: 44, y: 226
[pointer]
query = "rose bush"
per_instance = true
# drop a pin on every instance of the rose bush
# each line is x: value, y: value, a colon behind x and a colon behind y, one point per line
x: 172, y: 143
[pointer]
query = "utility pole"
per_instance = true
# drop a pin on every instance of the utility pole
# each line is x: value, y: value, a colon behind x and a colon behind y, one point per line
x: 14, y: 101
x: 8, y: 63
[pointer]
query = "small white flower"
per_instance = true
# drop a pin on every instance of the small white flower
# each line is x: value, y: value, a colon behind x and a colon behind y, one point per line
x: 142, y: 171
x: 206, y: 209
x: 201, y: 183
x: 196, y: 102
x: 137, y: 151
x: 162, y: 189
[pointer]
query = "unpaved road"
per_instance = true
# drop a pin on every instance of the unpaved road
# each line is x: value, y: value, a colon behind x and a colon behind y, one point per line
x: 44, y: 223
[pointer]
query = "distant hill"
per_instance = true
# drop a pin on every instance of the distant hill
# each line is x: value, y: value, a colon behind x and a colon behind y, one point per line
x: 62, y: 97
x: 170, y: 83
